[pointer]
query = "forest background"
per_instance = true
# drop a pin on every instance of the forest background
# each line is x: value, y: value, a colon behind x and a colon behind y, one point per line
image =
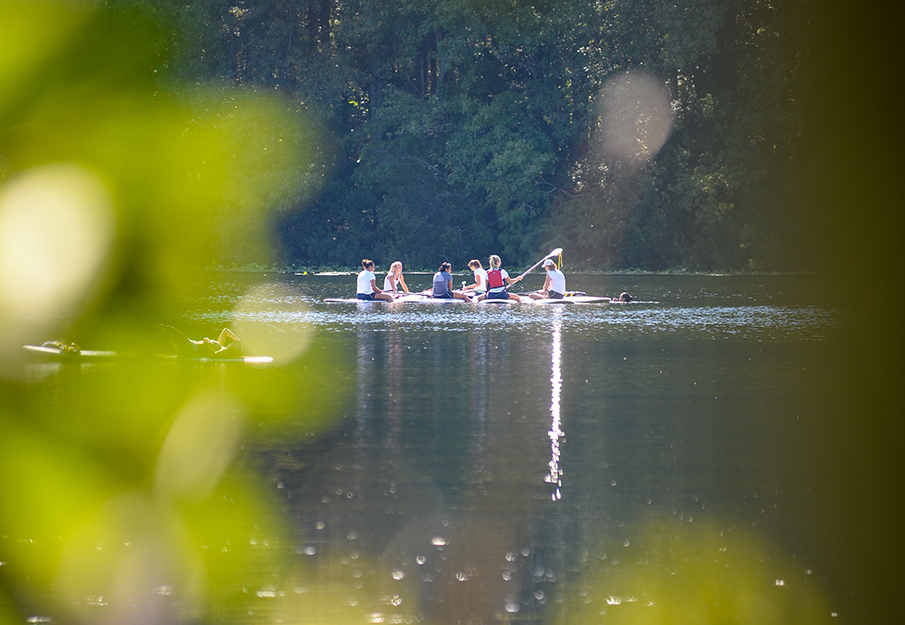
x: 452, y: 129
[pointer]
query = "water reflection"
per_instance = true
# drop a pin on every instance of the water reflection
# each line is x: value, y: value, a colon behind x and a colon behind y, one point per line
x: 457, y: 408
x: 478, y: 345
x: 423, y: 501
x: 366, y: 383
x: 556, y: 434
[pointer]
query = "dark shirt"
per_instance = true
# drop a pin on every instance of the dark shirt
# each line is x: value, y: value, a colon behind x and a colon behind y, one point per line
x: 442, y: 280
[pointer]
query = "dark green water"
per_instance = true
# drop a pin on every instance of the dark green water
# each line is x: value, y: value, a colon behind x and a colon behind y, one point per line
x: 557, y: 464
x: 507, y: 459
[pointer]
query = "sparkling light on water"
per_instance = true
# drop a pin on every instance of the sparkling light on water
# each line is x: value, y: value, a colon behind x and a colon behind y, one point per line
x: 556, y: 434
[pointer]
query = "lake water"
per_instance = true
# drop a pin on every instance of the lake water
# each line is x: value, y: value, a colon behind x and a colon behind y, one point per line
x: 599, y: 463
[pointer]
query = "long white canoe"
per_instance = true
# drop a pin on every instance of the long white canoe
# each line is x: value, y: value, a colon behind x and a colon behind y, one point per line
x: 67, y: 353
x: 417, y: 298
x: 413, y: 298
x: 47, y: 352
x: 578, y: 299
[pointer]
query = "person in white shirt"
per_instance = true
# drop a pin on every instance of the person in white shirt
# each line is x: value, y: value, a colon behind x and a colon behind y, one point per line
x: 367, y: 284
x: 394, y: 279
x: 554, y: 283
x: 480, y: 278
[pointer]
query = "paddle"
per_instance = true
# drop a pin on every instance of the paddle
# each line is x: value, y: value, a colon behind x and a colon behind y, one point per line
x: 555, y: 252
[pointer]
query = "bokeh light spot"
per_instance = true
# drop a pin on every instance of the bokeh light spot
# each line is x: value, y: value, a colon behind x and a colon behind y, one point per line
x: 199, y: 447
x: 57, y: 227
x: 636, y: 118
x: 699, y: 573
x: 256, y: 315
x: 130, y: 557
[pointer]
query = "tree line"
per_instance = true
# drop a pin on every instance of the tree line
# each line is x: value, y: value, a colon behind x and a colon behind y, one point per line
x: 452, y: 129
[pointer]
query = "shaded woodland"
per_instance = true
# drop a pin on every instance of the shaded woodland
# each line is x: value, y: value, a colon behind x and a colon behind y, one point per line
x: 452, y: 129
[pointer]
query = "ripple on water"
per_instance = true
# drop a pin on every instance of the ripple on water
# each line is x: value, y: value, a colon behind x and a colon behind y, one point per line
x: 756, y: 322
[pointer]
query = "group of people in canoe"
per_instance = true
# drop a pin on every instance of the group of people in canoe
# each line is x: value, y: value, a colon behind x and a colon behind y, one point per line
x: 490, y: 283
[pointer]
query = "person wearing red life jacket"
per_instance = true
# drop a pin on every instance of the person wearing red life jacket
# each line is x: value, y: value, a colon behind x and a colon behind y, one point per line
x: 498, y: 281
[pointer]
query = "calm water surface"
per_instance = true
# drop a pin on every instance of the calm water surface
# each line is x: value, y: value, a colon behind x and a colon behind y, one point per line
x: 516, y: 462
x: 556, y: 464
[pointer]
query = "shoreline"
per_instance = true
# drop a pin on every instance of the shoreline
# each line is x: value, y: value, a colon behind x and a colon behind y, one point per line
x: 578, y: 272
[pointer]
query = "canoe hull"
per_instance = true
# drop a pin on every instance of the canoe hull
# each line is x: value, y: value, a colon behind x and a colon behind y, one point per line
x: 45, y: 352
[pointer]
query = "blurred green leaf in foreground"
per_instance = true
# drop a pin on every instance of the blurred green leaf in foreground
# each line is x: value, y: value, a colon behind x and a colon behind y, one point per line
x: 115, y: 182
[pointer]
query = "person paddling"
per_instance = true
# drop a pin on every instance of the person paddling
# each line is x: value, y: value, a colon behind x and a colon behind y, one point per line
x: 394, y: 279
x: 554, y: 283
x: 498, y: 281
x: 368, y: 290
x: 443, y: 285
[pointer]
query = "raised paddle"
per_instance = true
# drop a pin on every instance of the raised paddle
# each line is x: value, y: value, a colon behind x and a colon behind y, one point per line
x: 555, y: 252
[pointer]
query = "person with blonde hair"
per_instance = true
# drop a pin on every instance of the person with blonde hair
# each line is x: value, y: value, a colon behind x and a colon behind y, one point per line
x: 394, y: 279
x: 498, y: 281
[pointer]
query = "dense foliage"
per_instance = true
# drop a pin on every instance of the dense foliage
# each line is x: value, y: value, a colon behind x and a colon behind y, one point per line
x: 459, y: 128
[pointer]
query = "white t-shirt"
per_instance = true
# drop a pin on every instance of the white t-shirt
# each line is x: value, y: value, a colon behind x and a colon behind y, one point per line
x: 388, y: 282
x: 557, y: 281
x: 364, y: 282
x: 480, y: 278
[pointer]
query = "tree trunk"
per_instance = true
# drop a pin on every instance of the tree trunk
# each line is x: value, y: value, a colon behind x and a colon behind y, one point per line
x: 319, y: 20
x: 375, y: 91
x: 438, y: 70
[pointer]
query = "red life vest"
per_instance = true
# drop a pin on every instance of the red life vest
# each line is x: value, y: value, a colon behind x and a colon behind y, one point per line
x: 494, y: 279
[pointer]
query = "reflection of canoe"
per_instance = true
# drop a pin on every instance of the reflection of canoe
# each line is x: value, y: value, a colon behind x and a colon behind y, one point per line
x: 47, y: 352
x: 576, y: 299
